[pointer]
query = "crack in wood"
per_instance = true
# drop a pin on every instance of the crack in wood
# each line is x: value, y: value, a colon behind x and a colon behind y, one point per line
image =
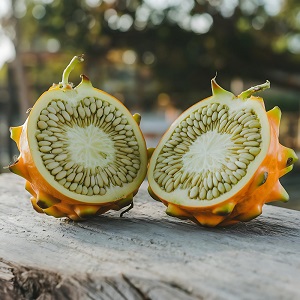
x: 22, y: 283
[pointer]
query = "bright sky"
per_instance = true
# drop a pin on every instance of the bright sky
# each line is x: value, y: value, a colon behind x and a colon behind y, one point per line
x: 7, y: 50
x: 5, y: 6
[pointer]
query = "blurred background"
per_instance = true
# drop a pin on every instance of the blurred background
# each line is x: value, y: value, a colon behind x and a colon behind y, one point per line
x: 156, y: 56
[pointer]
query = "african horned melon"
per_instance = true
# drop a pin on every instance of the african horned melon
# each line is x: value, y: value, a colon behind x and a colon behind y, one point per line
x: 81, y: 151
x: 220, y: 161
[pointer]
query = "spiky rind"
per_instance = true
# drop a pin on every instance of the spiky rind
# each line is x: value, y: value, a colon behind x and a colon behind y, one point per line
x: 45, y: 200
x: 218, y: 90
x: 263, y: 186
x: 224, y: 210
x: 47, y: 196
x: 175, y: 211
x: 274, y: 116
x: 15, y: 133
x: 18, y: 167
x: 76, y: 212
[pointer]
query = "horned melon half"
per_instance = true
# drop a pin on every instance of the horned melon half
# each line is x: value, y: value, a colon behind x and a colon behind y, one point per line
x: 221, y: 160
x: 81, y: 151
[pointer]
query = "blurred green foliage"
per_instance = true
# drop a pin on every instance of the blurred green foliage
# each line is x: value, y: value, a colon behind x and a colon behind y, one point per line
x: 176, y: 46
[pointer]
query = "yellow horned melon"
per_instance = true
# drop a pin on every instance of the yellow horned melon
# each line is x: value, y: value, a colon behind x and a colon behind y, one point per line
x: 220, y: 161
x: 81, y: 151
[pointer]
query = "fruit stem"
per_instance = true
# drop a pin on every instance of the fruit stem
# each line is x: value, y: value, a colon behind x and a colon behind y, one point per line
x: 246, y: 94
x: 75, y: 60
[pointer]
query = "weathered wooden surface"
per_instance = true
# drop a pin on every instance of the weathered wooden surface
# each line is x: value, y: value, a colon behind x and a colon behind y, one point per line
x: 144, y: 255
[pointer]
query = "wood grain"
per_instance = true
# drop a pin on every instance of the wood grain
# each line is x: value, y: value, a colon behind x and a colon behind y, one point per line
x: 143, y: 255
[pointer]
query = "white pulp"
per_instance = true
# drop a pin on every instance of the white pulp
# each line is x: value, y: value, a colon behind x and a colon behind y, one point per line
x: 90, y: 146
x: 208, y: 152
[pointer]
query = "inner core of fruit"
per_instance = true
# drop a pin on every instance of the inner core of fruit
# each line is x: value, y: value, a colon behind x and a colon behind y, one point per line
x: 209, y: 152
x: 88, y: 148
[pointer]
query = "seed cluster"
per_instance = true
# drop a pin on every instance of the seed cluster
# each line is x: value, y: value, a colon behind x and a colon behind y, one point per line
x: 243, y: 129
x: 59, y: 118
